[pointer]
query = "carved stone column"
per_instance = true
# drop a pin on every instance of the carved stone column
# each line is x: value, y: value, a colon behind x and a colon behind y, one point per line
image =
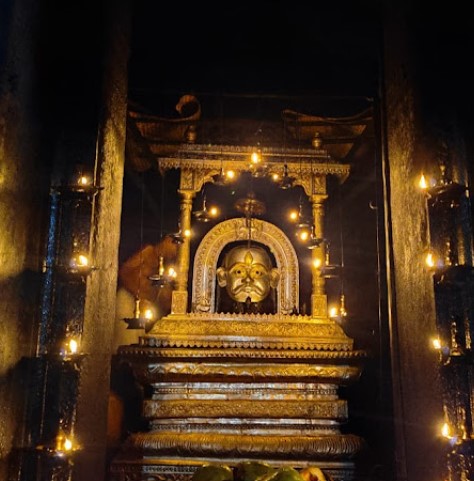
x: 318, y: 293
x: 179, y: 302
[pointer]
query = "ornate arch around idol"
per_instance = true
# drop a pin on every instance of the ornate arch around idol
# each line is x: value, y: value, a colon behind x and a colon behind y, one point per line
x: 211, y: 246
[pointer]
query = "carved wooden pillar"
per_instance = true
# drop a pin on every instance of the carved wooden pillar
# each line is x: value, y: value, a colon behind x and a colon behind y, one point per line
x: 318, y: 293
x: 314, y: 184
x: 179, y: 301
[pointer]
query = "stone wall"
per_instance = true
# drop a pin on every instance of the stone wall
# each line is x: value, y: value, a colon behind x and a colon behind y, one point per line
x: 99, y: 315
x: 24, y: 181
x: 416, y: 116
x: 64, y: 86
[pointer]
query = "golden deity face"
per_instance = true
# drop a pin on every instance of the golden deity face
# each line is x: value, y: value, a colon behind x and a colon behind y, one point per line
x: 247, y: 273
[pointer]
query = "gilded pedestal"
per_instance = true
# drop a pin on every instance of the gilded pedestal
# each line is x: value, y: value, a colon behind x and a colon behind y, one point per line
x: 228, y: 388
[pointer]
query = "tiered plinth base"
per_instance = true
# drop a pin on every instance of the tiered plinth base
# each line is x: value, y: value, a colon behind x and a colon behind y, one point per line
x: 228, y: 388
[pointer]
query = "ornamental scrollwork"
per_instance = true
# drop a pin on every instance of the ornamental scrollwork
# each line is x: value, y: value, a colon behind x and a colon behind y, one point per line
x: 326, y: 372
x: 310, y: 447
x: 245, y: 408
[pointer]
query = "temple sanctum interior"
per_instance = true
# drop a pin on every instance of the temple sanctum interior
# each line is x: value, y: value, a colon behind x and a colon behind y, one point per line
x: 237, y: 241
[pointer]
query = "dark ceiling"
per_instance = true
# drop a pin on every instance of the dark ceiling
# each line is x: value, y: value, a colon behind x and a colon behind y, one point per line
x: 267, y: 47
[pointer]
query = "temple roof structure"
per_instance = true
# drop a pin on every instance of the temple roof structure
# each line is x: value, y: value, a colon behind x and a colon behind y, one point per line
x: 291, y: 134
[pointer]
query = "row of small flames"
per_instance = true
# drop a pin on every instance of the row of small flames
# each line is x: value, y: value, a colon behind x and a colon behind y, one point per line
x: 65, y: 445
x: 433, y: 262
